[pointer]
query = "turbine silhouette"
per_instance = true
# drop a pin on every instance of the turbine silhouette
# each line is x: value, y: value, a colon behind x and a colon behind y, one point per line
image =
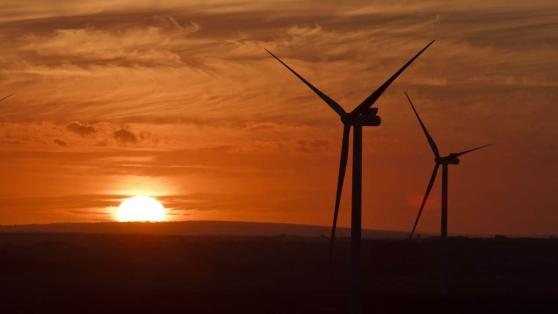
x: 362, y: 115
x: 451, y: 159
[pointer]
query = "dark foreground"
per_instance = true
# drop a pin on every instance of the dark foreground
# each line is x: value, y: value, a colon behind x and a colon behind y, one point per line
x: 65, y: 273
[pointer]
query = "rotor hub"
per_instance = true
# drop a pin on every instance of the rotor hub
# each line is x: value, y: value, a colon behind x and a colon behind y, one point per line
x: 368, y: 118
x: 451, y: 159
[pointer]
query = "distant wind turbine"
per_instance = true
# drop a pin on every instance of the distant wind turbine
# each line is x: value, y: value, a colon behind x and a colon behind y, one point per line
x: 362, y: 115
x: 451, y: 159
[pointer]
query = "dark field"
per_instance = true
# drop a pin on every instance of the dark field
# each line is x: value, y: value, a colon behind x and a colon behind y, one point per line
x: 77, y: 273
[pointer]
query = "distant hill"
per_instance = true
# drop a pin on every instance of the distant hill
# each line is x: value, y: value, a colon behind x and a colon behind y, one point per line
x: 196, y: 228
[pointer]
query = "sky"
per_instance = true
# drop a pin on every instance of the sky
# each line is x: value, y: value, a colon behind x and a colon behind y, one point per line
x: 179, y: 100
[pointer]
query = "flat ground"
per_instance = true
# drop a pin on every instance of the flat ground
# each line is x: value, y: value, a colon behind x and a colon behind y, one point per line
x: 77, y: 273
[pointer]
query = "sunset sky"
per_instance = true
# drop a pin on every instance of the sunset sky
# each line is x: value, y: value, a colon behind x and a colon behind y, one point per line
x: 178, y: 100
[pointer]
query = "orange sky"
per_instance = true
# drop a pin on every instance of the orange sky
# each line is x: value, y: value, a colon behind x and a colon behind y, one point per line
x: 178, y: 100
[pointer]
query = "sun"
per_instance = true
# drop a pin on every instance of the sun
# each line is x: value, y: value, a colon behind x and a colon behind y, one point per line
x: 140, y: 208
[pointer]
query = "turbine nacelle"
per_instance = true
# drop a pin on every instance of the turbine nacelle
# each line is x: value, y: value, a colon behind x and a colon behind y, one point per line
x: 368, y: 118
x: 451, y: 159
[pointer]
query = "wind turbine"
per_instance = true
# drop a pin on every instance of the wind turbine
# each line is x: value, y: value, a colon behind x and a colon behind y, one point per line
x: 451, y: 159
x: 362, y: 115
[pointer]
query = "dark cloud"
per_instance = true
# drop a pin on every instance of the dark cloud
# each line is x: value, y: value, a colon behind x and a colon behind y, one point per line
x: 60, y: 142
x: 125, y: 136
x: 313, y: 146
x: 81, y: 128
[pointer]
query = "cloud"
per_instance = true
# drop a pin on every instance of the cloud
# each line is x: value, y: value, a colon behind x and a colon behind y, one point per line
x: 81, y: 129
x: 212, y: 201
x: 125, y: 136
x: 60, y: 142
x: 313, y: 146
x: 171, y: 62
x: 47, y: 203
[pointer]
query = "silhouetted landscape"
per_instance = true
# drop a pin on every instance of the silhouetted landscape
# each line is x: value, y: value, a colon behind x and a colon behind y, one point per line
x: 236, y: 228
x: 278, y: 157
x: 143, y: 273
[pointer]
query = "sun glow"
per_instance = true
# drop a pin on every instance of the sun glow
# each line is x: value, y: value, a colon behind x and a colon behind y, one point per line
x: 140, y: 208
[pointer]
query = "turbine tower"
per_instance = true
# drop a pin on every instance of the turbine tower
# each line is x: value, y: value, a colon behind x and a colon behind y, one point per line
x: 362, y: 115
x: 451, y: 159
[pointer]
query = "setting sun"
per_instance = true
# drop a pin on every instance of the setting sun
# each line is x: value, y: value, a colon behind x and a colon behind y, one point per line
x: 140, y: 208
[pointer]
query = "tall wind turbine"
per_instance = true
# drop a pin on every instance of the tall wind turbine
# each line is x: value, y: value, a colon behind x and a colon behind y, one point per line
x: 451, y: 159
x: 362, y: 115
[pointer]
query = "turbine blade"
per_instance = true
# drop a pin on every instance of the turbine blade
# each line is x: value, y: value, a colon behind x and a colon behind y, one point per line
x: 424, y: 129
x: 471, y: 150
x: 342, y: 168
x: 428, y: 189
x: 5, y: 97
x: 332, y: 103
x: 368, y: 102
